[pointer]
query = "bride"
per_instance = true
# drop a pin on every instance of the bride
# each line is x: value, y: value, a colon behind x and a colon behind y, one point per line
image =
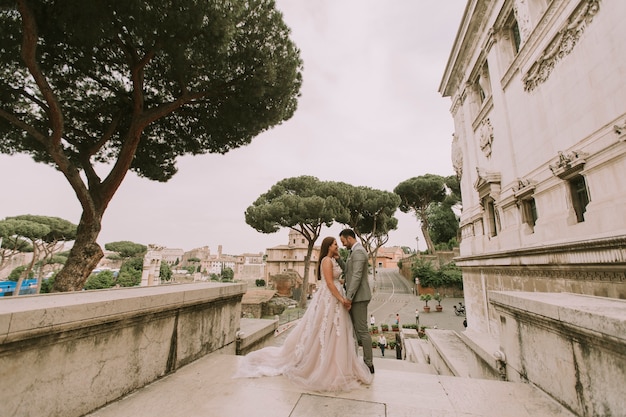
x: 320, y: 353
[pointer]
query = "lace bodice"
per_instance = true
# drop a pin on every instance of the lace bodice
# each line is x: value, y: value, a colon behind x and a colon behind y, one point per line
x: 336, y: 270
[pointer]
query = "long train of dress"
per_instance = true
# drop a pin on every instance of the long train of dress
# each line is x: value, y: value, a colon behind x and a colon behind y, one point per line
x: 320, y: 353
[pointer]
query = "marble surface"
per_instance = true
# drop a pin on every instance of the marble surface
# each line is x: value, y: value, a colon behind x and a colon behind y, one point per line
x: 206, y: 388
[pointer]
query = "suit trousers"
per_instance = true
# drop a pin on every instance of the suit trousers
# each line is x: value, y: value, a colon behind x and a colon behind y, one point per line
x: 358, y: 313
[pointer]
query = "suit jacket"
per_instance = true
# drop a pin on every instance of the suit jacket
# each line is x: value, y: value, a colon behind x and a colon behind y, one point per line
x: 356, y: 274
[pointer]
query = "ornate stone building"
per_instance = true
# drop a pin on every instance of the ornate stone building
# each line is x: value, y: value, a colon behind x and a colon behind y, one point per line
x: 290, y: 257
x: 538, y: 96
x: 539, y: 106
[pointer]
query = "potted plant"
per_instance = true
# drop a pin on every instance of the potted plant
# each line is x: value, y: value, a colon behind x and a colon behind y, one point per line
x: 422, y: 332
x: 384, y: 327
x: 438, y: 297
x: 426, y: 298
x: 395, y: 328
x: 374, y: 329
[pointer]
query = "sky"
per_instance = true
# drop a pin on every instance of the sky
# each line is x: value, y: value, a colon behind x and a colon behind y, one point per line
x: 369, y: 114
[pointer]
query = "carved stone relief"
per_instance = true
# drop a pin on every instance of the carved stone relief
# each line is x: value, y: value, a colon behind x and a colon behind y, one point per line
x: 457, y: 156
x: 569, y: 164
x: 562, y: 44
x: 524, y: 188
x: 568, y: 274
x: 485, y: 132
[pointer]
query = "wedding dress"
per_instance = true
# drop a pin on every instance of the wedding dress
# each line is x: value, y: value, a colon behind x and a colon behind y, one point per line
x: 320, y: 353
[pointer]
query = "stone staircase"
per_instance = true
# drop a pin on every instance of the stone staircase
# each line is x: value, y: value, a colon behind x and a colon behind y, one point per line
x: 410, y: 387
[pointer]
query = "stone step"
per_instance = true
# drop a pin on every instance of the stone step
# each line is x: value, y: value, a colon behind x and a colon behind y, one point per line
x: 396, y: 365
x: 448, y: 353
x: 416, y: 351
x: 206, y: 388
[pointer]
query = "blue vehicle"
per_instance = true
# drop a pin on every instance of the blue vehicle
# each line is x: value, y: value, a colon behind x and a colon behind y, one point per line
x: 7, y: 288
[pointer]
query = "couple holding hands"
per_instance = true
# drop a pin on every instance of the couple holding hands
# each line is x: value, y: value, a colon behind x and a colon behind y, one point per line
x: 321, y: 352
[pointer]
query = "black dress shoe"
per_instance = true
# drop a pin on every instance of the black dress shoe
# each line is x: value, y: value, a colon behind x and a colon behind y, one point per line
x: 371, y: 368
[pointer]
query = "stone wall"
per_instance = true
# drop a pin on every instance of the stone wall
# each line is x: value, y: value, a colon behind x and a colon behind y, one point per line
x: 255, y: 334
x: 571, y: 346
x: 68, y: 354
x: 594, y: 267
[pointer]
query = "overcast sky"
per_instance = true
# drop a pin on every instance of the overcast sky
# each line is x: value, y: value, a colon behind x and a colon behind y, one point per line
x: 370, y: 114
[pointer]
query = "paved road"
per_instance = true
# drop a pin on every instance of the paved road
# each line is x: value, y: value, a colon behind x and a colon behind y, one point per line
x: 392, y: 294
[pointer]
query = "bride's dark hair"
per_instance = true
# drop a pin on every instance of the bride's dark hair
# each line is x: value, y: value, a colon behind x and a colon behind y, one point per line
x: 323, y: 253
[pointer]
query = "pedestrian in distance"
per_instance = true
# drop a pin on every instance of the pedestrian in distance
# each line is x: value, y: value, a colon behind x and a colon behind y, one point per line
x: 382, y: 344
x: 398, y: 346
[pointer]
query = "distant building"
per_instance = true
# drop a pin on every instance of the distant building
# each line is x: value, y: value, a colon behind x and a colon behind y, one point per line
x: 250, y: 266
x: 201, y: 254
x: 207, y: 264
x: 172, y: 256
x: 291, y: 257
x: 389, y: 257
x: 151, y: 274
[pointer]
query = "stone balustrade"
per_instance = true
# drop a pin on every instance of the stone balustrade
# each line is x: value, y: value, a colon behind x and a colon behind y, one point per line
x: 67, y: 354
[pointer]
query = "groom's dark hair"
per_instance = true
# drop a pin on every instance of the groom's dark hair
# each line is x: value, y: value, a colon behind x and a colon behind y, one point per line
x: 348, y: 233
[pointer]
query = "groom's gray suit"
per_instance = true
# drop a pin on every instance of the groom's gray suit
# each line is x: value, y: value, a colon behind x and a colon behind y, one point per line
x: 358, y: 292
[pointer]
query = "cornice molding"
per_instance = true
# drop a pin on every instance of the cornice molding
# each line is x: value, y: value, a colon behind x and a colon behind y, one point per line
x: 604, y: 253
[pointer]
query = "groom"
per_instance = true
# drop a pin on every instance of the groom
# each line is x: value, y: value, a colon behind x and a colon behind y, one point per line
x: 358, y: 292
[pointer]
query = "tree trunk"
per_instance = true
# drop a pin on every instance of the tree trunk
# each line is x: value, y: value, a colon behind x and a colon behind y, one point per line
x: 26, y: 272
x: 83, y: 258
x: 305, y: 279
x: 429, y: 241
x: 374, y: 256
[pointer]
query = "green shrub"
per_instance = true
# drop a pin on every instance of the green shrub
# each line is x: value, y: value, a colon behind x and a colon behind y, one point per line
x: 448, y: 275
x: 15, y: 274
x: 424, y: 271
x: 47, y: 284
x: 100, y: 280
